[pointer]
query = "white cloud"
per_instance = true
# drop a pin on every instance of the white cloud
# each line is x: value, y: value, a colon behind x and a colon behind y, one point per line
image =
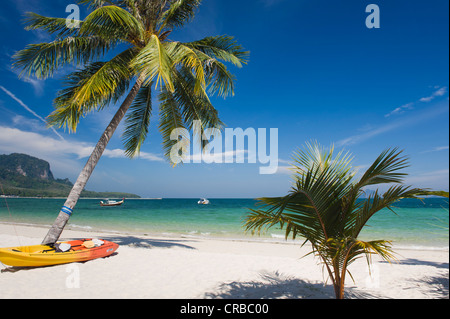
x: 57, y: 152
x: 16, y: 140
x: 440, y: 92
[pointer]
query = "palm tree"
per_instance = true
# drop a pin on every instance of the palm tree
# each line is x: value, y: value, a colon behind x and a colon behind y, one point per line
x: 136, y: 33
x: 326, y: 208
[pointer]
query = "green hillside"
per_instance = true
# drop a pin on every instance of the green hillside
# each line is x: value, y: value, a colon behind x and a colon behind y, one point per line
x: 26, y: 176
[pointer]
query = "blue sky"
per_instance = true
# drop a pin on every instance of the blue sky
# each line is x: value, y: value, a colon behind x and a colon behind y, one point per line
x: 316, y: 72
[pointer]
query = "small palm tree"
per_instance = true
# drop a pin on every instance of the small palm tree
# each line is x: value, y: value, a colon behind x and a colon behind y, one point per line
x: 137, y: 34
x: 326, y: 208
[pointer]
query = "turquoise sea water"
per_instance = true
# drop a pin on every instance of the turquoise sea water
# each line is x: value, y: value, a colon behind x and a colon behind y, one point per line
x: 416, y: 224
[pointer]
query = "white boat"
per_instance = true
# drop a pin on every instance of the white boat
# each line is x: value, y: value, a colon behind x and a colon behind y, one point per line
x: 204, y: 201
x: 111, y: 203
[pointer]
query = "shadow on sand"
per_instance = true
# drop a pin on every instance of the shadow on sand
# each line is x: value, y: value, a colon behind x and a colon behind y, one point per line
x: 438, y: 286
x: 277, y: 286
x: 149, y: 243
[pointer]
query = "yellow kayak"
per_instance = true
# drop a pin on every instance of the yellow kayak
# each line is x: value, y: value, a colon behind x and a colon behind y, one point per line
x: 39, y: 255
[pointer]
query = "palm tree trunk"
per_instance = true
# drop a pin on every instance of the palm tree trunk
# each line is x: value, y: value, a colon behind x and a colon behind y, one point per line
x: 65, y: 213
x: 338, y: 287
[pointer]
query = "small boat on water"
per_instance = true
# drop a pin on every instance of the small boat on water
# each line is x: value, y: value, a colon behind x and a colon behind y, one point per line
x: 111, y: 203
x: 61, y: 253
x: 204, y: 201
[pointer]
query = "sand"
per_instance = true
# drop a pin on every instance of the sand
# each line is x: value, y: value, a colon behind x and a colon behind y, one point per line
x: 153, y: 267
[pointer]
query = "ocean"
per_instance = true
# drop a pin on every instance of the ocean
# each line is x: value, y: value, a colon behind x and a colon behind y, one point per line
x: 416, y: 224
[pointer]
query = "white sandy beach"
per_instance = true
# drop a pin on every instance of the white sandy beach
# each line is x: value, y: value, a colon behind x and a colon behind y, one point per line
x: 186, y: 268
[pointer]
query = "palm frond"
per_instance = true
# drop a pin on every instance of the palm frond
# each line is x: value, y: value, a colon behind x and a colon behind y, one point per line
x: 386, y: 169
x: 113, y: 22
x: 154, y: 63
x: 104, y: 82
x: 224, y: 48
x: 188, y: 59
x: 57, y: 26
x: 211, y: 51
x: 91, y: 88
x: 219, y: 80
x: 259, y: 221
x: 195, y: 107
x: 95, y: 4
x: 150, y: 12
x: 138, y: 121
x: 360, y: 249
x: 179, y: 13
x: 131, y: 6
x: 377, y: 202
x: 171, y: 118
x: 316, y: 158
x: 42, y: 60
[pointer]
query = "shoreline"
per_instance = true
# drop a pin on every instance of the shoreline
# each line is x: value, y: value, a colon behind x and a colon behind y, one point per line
x: 275, y: 239
x: 153, y: 267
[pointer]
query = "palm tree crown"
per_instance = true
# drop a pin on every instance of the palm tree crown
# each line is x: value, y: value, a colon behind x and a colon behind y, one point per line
x: 137, y: 33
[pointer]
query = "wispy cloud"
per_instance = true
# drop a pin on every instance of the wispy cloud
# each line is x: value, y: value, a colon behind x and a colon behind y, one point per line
x: 401, y: 109
x: 437, y: 149
x: 440, y: 92
x: 26, y: 107
x: 355, y: 139
x: 383, y: 129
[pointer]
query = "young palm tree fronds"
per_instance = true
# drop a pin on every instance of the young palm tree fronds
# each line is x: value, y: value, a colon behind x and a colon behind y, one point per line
x: 325, y: 207
x: 144, y: 58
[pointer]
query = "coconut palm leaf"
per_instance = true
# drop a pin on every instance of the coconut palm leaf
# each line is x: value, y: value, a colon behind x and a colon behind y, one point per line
x: 179, y: 12
x: 187, y: 58
x: 138, y: 121
x: 386, y: 169
x: 224, y: 48
x: 154, y: 63
x: 376, y: 202
x: 219, y: 80
x: 113, y: 22
x: 105, y: 81
x: 41, y: 60
x: 95, y: 4
x: 195, y: 108
x: 92, y: 88
x: 57, y: 26
x: 171, y: 118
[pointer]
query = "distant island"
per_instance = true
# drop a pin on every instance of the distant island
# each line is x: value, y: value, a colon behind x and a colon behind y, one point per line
x: 26, y: 176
